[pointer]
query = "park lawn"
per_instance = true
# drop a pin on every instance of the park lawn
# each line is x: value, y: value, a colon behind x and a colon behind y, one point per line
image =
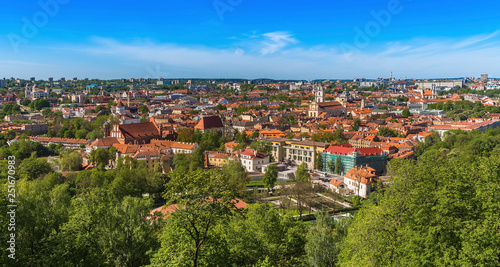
x: 258, y: 183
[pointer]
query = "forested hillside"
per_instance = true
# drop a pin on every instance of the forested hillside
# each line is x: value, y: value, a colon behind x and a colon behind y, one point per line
x: 441, y: 210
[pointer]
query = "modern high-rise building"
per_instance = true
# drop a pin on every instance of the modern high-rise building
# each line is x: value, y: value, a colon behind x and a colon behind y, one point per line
x: 2, y: 83
x: 484, y: 77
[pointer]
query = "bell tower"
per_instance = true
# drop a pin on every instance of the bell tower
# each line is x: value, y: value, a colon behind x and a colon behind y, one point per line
x: 319, y: 94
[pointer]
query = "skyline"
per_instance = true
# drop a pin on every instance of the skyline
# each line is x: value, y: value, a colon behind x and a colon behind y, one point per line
x: 248, y: 39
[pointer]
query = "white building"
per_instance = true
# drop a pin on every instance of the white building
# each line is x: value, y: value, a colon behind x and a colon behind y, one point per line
x: 361, y: 181
x: 183, y: 147
x: 252, y: 160
x: 439, y: 84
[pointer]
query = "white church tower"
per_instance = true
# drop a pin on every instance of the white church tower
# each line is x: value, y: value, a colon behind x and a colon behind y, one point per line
x: 27, y: 92
x: 319, y: 93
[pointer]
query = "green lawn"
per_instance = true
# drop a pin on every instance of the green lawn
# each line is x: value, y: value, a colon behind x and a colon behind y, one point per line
x: 258, y: 183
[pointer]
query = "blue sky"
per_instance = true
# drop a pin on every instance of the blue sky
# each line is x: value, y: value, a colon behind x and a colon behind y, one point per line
x: 249, y: 39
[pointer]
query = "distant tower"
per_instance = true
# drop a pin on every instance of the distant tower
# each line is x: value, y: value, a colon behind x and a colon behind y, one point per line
x: 362, y: 103
x: 128, y: 100
x: 27, y: 92
x: 319, y: 94
x: 120, y: 108
x: 107, y: 129
x: 433, y: 90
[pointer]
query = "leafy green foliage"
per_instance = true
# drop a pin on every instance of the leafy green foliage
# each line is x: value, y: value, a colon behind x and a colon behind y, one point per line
x: 406, y: 113
x: 324, y: 240
x: 71, y: 161
x: 387, y: 132
x: 270, y: 175
x: 319, y: 162
x: 356, y: 123
x: 438, y: 211
x: 302, y: 173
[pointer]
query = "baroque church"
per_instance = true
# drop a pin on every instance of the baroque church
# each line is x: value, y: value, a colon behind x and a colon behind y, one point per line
x: 319, y: 106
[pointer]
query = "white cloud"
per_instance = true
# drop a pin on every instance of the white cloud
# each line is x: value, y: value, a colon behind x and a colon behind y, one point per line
x: 276, y: 41
x: 279, y: 55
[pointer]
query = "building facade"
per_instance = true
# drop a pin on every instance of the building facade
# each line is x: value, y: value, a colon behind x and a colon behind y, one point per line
x: 251, y: 159
x: 351, y: 157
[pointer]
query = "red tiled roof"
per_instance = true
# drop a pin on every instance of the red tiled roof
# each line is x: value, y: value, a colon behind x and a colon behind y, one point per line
x: 340, y: 149
x: 106, y: 141
x: 347, y: 148
x: 336, y: 182
x: 209, y: 122
x: 370, y: 151
x: 362, y: 175
x: 136, y: 130
x: 59, y: 140
x: 250, y: 152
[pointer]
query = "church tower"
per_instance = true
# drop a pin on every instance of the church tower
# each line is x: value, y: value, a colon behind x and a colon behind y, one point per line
x: 27, y: 92
x: 319, y: 94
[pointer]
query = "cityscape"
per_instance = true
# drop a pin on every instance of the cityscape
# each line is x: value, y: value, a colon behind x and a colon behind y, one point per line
x: 231, y: 133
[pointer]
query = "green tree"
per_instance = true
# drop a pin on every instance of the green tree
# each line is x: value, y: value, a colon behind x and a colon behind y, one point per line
x: 324, y: 241
x: 202, y: 198
x: 406, y: 113
x: 331, y: 166
x: 386, y: 131
x: 237, y: 176
x: 44, y: 209
x: 144, y: 109
x: 81, y: 134
x: 261, y: 235
x: 32, y: 168
x: 185, y: 135
x: 356, y: 124
x: 338, y: 166
x: 440, y: 215
x: 319, y: 162
x: 129, y: 237
x: 99, y: 156
x: 302, y: 173
x: 71, y: 161
x: 270, y: 176
x: 25, y: 102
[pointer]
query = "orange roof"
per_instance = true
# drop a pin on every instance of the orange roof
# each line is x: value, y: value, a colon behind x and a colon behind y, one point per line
x: 209, y: 122
x: 335, y: 182
x: 126, y: 149
x: 106, y: 141
x: 363, y: 175
x: 230, y: 144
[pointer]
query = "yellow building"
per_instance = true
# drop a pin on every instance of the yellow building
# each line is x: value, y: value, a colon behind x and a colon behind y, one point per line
x: 216, y: 159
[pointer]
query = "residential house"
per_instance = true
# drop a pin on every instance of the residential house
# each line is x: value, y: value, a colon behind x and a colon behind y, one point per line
x: 361, y: 180
x: 210, y: 124
x: 252, y: 160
